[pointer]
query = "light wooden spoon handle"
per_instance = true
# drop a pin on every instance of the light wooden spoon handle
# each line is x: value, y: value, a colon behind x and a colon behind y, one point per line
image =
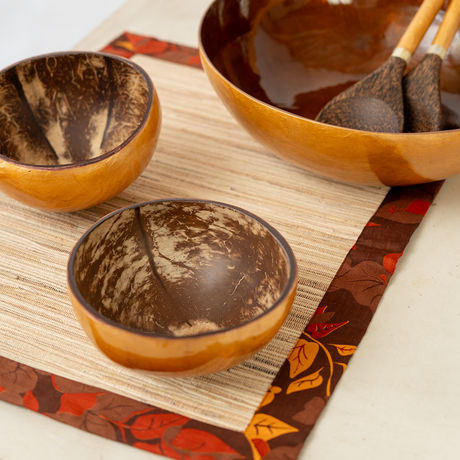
x: 417, y: 28
x: 447, y: 30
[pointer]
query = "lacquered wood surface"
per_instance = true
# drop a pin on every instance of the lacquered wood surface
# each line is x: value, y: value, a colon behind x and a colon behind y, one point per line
x: 278, y: 64
x: 187, y: 356
x: 181, y: 288
x: 419, y: 25
x: 421, y: 86
x: 77, y: 129
x: 449, y: 26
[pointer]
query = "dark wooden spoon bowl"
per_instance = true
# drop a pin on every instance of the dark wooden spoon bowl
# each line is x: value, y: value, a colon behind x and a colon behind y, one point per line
x: 376, y: 102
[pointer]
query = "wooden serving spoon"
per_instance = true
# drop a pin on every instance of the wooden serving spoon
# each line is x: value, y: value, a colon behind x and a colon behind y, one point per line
x: 376, y: 102
x: 421, y: 86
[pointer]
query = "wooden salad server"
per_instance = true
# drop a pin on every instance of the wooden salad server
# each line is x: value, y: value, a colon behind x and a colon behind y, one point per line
x: 375, y: 103
x: 421, y: 86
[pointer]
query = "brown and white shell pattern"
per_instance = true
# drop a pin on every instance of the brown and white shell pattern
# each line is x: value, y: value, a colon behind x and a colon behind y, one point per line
x: 67, y: 108
x: 181, y: 268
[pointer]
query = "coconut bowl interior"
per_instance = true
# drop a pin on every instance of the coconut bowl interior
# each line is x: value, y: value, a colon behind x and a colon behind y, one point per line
x: 76, y: 128
x: 203, y: 272
x: 68, y: 108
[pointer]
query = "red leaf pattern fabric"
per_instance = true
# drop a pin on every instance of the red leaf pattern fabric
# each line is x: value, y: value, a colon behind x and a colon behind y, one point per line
x: 418, y: 207
x: 130, y: 44
x: 30, y: 401
x: 319, y: 330
x: 77, y: 403
x: 202, y: 444
x: 262, y: 446
x: 153, y: 426
x: 390, y: 261
x: 364, y: 281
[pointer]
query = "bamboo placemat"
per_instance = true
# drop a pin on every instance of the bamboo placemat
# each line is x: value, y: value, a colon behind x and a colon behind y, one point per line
x: 202, y: 153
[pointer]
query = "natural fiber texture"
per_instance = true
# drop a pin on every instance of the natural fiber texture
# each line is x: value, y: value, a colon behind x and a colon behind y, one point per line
x: 202, y: 153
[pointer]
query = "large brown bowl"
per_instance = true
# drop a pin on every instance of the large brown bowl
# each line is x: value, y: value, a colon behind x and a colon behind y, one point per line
x: 181, y: 287
x: 75, y: 129
x: 276, y: 63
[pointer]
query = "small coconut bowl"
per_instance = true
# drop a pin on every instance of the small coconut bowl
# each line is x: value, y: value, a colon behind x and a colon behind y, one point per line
x: 76, y: 129
x: 181, y: 287
x: 276, y: 63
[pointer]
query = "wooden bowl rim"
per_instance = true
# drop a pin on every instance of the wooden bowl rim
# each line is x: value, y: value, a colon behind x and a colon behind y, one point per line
x: 95, y: 314
x: 383, y: 136
x: 151, y: 92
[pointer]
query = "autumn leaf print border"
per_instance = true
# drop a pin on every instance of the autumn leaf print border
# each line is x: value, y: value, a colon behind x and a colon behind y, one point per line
x: 304, y: 383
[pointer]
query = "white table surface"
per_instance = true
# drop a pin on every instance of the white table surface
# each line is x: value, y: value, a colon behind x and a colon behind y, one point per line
x: 400, y: 396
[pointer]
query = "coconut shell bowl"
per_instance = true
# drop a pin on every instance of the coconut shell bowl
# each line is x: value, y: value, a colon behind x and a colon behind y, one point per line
x: 276, y: 63
x: 75, y: 129
x: 181, y: 287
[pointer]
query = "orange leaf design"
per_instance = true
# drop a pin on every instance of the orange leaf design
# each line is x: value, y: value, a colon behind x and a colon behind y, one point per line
x: 2, y: 389
x: 30, y: 401
x: 310, y: 381
x: 270, y: 395
x: 344, y: 350
x: 77, y: 403
x: 267, y: 427
x: 152, y: 47
x: 126, y: 45
x: 302, y: 356
x: 390, y: 261
x: 263, y: 428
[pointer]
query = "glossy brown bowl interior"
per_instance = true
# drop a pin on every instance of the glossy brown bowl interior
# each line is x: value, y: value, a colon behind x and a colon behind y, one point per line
x: 68, y: 108
x: 283, y: 60
x: 298, y: 55
x: 174, y: 269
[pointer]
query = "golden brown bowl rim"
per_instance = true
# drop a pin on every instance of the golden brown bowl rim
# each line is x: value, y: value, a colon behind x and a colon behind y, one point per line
x: 91, y: 311
x: 290, y: 114
x: 151, y: 91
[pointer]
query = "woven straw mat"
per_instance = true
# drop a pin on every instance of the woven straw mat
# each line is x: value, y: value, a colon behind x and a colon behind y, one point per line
x: 202, y: 153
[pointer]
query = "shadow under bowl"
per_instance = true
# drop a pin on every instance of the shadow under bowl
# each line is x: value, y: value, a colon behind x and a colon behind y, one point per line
x: 276, y: 63
x: 76, y: 128
x: 181, y: 287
